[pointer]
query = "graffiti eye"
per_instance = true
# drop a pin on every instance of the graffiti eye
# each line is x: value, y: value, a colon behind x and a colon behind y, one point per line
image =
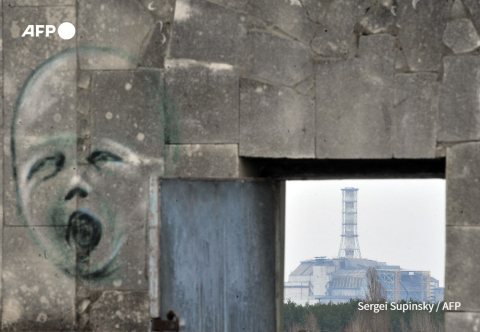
x: 47, y: 167
x: 98, y: 158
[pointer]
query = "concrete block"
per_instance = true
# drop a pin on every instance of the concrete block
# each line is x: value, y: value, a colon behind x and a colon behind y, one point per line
x: 1, y: 144
x: 2, y: 186
x: 458, y: 10
x: 317, y: 9
x: 335, y: 37
x: 122, y: 25
x: 156, y: 47
x: 461, y: 36
x: 378, y: 19
x: 415, y: 109
x: 463, y: 176
x: 120, y: 311
x: 202, y: 160
x: 161, y: 9
x: 278, y: 60
x: 21, y: 57
x: 37, y: 296
x: 421, y: 25
x: 354, y: 102
x: 275, y: 122
x: 27, y: 3
x: 118, y: 261
x: 462, y: 321
x: 306, y: 86
x: 254, y: 23
x: 459, y: 110
x: 127, y: 107
x: 289, y: 16
x: 206, y: 99
x: 462, y: 257
x: 208, y: 32
x: 238, y: 4
x: 473, y: 9
x: 400, y: 61
x: 83, y: 80
x: 119, y: 202
x: 45, y: 155
x: 126, y: 148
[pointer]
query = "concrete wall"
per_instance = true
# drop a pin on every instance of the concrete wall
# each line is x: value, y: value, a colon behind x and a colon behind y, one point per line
x: 187, y: 88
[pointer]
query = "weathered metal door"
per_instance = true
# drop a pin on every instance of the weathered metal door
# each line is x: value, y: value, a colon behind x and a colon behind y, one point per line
x: 213, y: 245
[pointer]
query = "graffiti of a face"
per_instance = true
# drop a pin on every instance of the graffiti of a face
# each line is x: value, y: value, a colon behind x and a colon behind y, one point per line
x: 81, y: 160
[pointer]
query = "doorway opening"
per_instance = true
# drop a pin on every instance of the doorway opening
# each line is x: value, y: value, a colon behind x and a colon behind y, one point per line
x: 353, y: 242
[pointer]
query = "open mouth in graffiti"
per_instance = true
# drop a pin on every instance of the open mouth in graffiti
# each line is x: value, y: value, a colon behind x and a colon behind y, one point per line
x: 84, y: 230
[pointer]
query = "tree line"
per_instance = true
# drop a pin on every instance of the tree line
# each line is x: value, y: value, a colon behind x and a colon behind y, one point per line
x: 345, y: 317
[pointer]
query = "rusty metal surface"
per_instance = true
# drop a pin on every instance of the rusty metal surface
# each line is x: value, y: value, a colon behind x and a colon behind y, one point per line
x: 171, y: 324
x: 217, y: 244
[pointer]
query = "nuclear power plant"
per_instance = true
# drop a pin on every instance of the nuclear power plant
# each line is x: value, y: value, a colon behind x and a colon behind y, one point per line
x: 349, y: 247
x: 340, y: 279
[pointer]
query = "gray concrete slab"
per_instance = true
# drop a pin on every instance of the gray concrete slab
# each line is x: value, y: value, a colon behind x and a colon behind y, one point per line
x: 458, y: 10
x: 277, y: 60
x: 221, y: 40
x: 22, y: 57
x: 238, y: 4
x: 45, y: 156
x: 421, y: 25
x: 121, y: 25
x: 400, y: 61
x: 462, y: 259
x: 126, y: 148
x: 2, y: 220
x: 202, y: 161
x: 415, y: 115
x: 24, y: 54
x: 462, y: 174
x: 118, y: 261
x: 28, y: 3
x: 461, y: 36
x: 316, y: 9
x: 335, y: 37
x: 161, y: 9
x: 206, y: 99
x: 36, y: 294
x: 354, y: 116
x: 275, y: 122
x: 459, y: 110
x: 120, y: 311
x: 378, y: 19
x: 127, y: 107
x: 473, y: 8
x: 306, y: 87
x: 157, y: 45
x: 291, y: 17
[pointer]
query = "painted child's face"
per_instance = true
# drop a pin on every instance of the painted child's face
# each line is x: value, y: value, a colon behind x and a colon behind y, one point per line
x: 88, y: 182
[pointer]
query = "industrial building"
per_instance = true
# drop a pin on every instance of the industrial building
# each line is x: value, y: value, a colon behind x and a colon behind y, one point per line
x: 340, y: 279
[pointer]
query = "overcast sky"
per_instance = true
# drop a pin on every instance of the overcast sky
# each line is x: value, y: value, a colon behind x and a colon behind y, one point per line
x: 401, y: 222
